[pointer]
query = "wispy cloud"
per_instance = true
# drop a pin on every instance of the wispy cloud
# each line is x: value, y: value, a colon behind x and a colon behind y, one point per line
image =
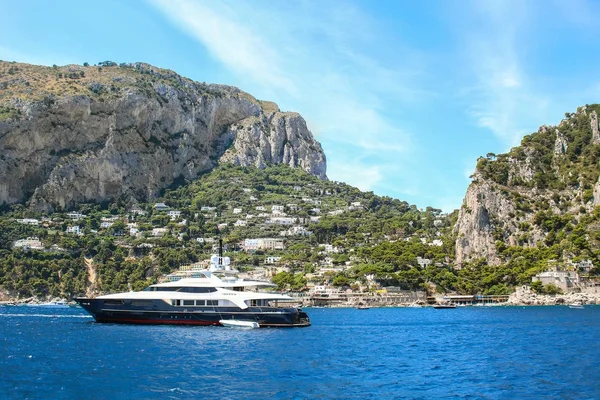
x: 313, y: 58
x: 501, y: 96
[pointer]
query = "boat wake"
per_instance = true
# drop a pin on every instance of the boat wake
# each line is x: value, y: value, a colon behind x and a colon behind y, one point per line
x: 46, y: 316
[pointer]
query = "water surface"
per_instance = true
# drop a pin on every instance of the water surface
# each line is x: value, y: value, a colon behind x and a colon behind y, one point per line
x: 473, y: 353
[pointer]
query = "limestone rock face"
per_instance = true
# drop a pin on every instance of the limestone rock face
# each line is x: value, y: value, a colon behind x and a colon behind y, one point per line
x: 138, y: 139
x: 512, y: 194
x: 280, y: 138
x: 594, y: 125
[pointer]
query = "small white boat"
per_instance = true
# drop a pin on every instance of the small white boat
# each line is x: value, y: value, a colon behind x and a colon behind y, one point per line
x: 444, y: 305
x: 235, y: 323
x: 576, y: 305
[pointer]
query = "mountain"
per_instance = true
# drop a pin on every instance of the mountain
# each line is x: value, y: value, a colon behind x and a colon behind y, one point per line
x: 74, y: 134
x: 538, y: 201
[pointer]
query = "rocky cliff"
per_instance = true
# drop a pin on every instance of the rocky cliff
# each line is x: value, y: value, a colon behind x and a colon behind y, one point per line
x: 92, y: 133
x: 541, y: 194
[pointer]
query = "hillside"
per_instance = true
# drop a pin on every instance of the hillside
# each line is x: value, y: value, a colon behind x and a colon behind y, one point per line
x: 75, y: 134
x: 537, y: 202
x: 329, y: 231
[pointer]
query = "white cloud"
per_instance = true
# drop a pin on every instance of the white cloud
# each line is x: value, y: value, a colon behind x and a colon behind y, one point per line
x: 315, y: 59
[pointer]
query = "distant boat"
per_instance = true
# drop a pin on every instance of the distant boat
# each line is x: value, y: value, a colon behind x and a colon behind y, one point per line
x: 362, y: 307
x: 578, y: 306
x: 444, y: 305
x: 60, y: 303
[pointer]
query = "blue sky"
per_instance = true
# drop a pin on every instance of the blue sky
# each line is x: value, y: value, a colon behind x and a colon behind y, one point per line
x: 404, y: 96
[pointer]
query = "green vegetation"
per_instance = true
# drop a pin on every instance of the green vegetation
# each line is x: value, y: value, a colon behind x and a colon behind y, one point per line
x: 381, y: 240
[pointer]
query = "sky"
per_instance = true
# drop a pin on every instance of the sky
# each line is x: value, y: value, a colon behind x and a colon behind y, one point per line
x: 403, y: 96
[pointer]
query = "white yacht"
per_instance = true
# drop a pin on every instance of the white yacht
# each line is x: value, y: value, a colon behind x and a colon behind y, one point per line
x: 197, y: 296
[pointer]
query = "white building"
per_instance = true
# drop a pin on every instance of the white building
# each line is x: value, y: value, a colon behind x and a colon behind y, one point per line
x: 252, y: 198
x: 282, y: 220
x: 331, y: 248
x: 277, y: 208
x: 272, y: 259
x: 263, y: 244
x: 260, y: 208
x: 75, y: 230
x: 133, y: 231
x: 137, y: 211
x: 565, y: 280
x: 336, y: 212
x: 28, y: 221
x: 296, y: 231
x: 222, y: 226
x: 207, y: 208
x: 174, y: 214
x: 75, y: 215
x: 240, y: 222
x: 237, y: 210
x: 316, y: 210
x: 247, y: 190
x: 32, y: 243
x: 106, y: 224
x: 292, y: 207
x: 423, y: 262
x: 158, y: 232
x: 278, y: 213
x: 314, y: 220
x: 436, y: 242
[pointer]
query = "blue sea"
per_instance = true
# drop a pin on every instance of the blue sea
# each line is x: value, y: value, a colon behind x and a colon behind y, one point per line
x: 386, y: 353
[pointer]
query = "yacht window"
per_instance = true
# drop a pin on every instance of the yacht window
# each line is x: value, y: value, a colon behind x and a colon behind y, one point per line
x: 113, y: 302
x: 238, y: 289
x: 176, y: 302
x: 212, y: 302
x: 200, y: 302
x: 141, y: 302
x: 188, y: 302
x: 253, y: 303
x: 198, y: 289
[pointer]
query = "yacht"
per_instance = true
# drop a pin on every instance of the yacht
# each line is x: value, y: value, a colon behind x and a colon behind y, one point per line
x: 199, y: 296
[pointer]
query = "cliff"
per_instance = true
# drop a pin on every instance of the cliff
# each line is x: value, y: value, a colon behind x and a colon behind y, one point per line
x: 540, y: 195
x: 77, y: 134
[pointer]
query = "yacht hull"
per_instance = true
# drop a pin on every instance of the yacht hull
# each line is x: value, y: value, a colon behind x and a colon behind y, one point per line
x: 163, y: 314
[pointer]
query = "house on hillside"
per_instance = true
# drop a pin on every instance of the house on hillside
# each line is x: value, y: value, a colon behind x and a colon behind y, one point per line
x: 75, y: 215
x: 29, y: 221
x: 174, y: 214
x: 31, y: 243
x: 566, y: 280
x: 75, y: 230
x: 159, y: 232
x: 161, y: 207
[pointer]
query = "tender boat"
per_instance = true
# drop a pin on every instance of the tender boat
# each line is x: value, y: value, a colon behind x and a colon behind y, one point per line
x: 448, y: 305
x: 576, y: 305
x: 233, y: 323
x: 197, y: 296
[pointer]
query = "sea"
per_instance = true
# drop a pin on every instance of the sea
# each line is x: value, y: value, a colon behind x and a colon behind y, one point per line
x: 379, y: 353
